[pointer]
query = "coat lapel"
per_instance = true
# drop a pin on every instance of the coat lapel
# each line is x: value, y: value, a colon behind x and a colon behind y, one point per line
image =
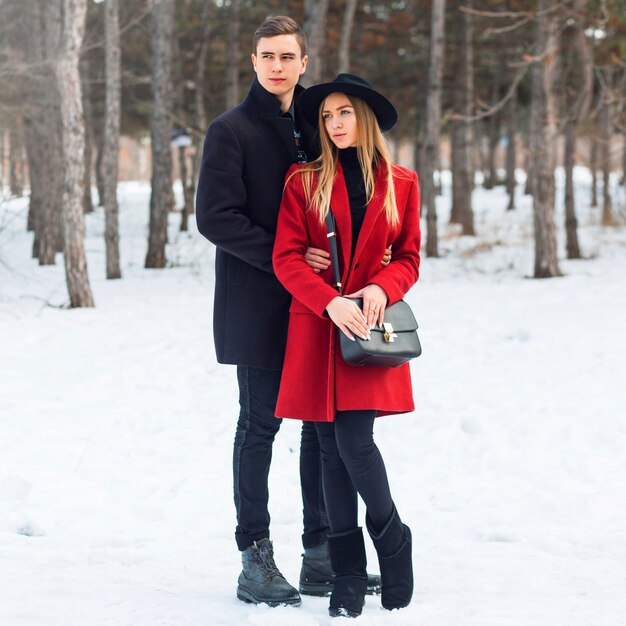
x: 283, y: 127
x: 373, y: 212
x: 268, y: 107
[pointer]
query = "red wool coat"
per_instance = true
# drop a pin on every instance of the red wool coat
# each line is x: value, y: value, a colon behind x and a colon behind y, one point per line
x: 316, y: 381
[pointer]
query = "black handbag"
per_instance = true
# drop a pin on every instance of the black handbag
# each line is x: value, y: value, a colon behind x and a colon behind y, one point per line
x: 390, y: 346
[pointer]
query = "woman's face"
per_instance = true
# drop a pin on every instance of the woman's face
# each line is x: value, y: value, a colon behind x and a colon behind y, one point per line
x: 340, y: 121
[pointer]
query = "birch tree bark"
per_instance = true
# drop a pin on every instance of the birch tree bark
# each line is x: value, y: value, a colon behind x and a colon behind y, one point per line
x: 111, y: 146
x: 161, y: 128
x: 462, y: 173
x: 315, y: 29
x: 233, y: 55
x: 346, y: 36
x: 433, y: 120
x: 542, y: 142
x: 73, y: 132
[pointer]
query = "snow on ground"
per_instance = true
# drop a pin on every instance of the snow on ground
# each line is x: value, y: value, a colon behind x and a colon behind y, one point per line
x: 116, y: 429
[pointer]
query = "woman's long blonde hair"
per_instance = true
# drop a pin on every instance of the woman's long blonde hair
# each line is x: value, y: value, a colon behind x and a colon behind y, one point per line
x: 372, y: 151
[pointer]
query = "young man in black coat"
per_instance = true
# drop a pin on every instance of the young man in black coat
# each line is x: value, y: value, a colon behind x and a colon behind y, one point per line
x: 247, y: 153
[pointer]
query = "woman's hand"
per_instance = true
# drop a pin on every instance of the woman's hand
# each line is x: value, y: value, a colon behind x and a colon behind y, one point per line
x: 347, y: 315
x: 374, y: 303
x: 386, y: 257
x: 317, y: 259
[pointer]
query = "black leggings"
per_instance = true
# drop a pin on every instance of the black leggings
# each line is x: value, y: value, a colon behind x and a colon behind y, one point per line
x: 351, y: 463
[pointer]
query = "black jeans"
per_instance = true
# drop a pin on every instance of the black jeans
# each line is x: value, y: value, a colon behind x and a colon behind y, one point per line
x: 351, y: 463
x: 256, y: 429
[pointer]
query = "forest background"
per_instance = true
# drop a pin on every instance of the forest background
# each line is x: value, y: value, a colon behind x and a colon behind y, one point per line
x: 484, y: 88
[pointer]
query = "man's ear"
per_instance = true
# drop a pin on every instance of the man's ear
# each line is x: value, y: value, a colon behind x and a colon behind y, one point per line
x: 305, y: 60
x: 253, y: 58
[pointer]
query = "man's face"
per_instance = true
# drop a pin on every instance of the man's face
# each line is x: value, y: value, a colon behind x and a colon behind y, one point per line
x: 278, y: 63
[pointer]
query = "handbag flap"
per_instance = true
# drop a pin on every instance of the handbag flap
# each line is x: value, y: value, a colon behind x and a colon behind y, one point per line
x: 399, y: 315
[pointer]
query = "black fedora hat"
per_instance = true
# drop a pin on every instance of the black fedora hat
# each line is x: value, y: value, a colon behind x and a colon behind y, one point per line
x: 351, y: 85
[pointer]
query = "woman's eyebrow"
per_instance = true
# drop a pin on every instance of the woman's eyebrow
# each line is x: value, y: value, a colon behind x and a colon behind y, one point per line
x: 343, y: 106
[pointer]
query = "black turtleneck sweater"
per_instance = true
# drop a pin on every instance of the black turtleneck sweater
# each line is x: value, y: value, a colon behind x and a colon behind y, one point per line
x: 356, y: 190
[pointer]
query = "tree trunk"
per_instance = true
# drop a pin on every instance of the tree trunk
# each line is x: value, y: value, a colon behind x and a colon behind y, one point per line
x: 161, y: 128
x: 111, y: 148
x: 45, y: 24
x: 494, y: 135
x: 34, y: 122
x: 16, y: 157
x: 433, y: 118
x: 534, y: 132
x: 68, y: 77
x: 624, y: 161
x: 571, y: 223
x: 87, y: 108
x: 315, y: 29
x: 233, y: 55
x: 580, y: 110
x: 49, y: 219
x: 511, y: 131
x: 478, y: 153
x: 608, y: 217
x: 32, y: 119
x: 346, y: 36
x: 200, y: 109
x: 593, y: 166
x: 187, y: 189
x: 542, y: 148
x: 462, y: 175
x: 3, y: 140
x: 98, y: 130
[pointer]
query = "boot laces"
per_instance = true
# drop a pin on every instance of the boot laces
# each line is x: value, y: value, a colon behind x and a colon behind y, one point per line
x: 267, y: 565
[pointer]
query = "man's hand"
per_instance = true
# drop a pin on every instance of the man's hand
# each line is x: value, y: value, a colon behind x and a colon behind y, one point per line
x: 374, y: 303
x: 387, y: 257
x: 317, y: 259
x: 347, y: 315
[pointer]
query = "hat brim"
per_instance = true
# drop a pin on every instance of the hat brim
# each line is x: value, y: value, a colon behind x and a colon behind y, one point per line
x: 311, y: 99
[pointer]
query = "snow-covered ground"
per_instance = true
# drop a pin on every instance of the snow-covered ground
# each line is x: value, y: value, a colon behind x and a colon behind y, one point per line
x: 116, y: 429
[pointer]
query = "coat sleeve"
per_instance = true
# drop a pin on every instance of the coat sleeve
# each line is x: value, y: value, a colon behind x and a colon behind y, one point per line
x: 292, y: 241
x: 222, y: 197
x: 403, y: 271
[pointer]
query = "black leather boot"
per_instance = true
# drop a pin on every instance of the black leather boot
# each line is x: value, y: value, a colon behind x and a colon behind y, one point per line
x: 347, y: 556
x: 393, y: 545
x: 317, y: 577
x: 260, y: 581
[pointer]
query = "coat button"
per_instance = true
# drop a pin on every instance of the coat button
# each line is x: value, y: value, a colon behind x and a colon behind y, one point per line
x: 356, y: 267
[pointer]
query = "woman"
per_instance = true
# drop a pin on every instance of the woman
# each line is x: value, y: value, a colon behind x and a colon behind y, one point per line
x: 375, y: 205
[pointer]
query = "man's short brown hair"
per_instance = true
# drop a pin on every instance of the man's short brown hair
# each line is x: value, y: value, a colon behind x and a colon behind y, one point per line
x: 279, y: 25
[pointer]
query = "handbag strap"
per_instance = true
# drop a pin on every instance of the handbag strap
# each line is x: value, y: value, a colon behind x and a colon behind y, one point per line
x: 334, y: 257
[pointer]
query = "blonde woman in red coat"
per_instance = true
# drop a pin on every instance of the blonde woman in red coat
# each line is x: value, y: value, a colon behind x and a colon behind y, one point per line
x: 376, y: 205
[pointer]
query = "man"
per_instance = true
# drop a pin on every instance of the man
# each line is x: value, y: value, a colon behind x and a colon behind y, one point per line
x: 247, y: 153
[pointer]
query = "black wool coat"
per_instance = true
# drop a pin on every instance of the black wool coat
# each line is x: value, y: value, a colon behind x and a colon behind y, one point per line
x: 247, y: 152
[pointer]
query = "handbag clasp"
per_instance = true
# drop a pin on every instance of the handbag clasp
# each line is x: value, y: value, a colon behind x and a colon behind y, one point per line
x: 389, y: 335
